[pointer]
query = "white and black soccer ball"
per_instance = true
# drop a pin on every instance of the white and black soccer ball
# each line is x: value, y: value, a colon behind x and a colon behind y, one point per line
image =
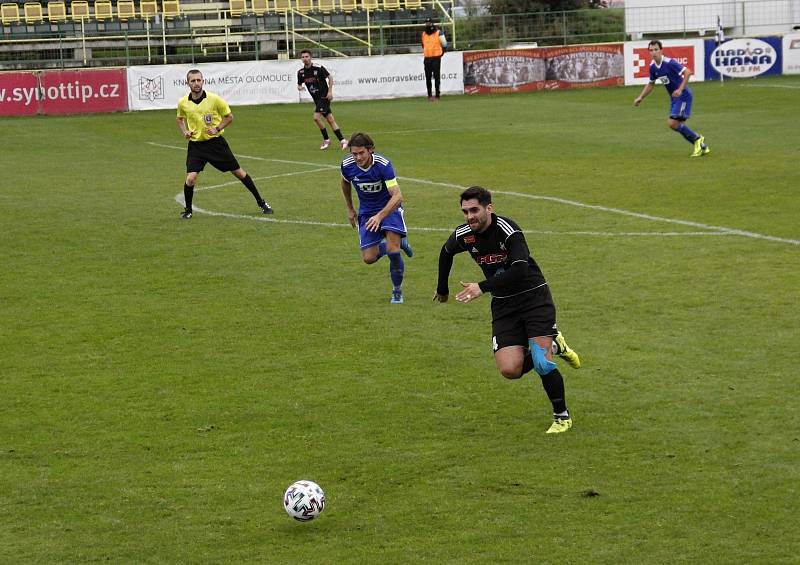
x: 304, y: 500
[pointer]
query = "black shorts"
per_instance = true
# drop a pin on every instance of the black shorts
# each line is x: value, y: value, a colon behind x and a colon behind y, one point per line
x: 215, y: 151
x: 527, y: 315
x: 322, y: 105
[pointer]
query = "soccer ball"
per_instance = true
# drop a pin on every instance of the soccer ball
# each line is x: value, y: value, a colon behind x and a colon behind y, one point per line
x: 304, y: 500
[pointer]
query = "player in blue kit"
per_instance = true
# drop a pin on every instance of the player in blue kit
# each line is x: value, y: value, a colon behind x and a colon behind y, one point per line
x: 675, y: 77
x: 381, y: 226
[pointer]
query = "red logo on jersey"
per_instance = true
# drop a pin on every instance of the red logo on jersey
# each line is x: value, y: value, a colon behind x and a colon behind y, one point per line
x: 684, y: 54
x: 491, y: 259
x: 469, y: 239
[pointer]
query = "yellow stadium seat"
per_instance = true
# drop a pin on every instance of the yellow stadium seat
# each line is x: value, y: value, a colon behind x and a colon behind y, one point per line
x: 238, y: 7
x: 171, y: 9
x: 347, y: 5
x: 282, y: 5
x: 304, y: 6
x: 9, y: 13
x: 33, y: 13
x: 391, y: 4
x: 103, y: 10
x: 148, y: 9
x: 260, y: 7
x: 369, y: 5
x: 327, y: 6
x: 56, y: 11
x: 126, y: 10
x: 79, y: 10
x: 413, y: 4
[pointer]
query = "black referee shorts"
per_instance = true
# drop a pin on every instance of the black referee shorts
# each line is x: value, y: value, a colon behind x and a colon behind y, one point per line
x: 516, y: 319
x: 322, y: 105
x: 215, y: 151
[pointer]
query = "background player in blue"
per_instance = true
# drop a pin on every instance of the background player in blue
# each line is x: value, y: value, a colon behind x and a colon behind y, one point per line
x: 675, y: 77
x: 524, y: 331
x: 381, y: 226
x: 319, y: 83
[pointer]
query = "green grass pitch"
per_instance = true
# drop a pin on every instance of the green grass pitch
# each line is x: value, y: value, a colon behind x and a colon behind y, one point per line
x: 163, y: 381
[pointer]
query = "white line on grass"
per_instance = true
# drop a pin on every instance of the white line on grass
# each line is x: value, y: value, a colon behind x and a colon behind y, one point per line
x: 712, y: 230
x: 793, y: 87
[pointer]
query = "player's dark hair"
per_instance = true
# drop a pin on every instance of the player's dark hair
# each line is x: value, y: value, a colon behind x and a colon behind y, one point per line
x: 482, y: 195
x: 655, y: 42
x: 306, y: 51
x: 361, y: 140
x: 193, y: 72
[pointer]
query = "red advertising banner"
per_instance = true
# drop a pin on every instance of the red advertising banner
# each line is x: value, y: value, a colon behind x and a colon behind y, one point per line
x: 63, y: 92
x: 514, y: 70
x: 684, y: 54
x: 84, y: 92
x: 18, y: 94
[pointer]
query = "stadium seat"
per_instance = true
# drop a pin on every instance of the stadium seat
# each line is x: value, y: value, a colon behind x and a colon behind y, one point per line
x: 391, y: 4
x: 148, y: 9
x: 282, y: 5
x: 126, y: 10
x: 238, y: 7
x: 327, y: 6
x: 79, y: 10
x: 260, y: 7
x: 56, y: 11
x: 9, y: 13
x: 171, y: 9
x: 370, y: 5
x: 413, y: 4
x: 103, y: 10
x: 347, y: 5
x: 33, y: 13
x: 304, y: 6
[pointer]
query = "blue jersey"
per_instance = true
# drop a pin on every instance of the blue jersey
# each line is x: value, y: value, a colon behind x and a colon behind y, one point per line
x: 371, y: 184
x: 669, y: 73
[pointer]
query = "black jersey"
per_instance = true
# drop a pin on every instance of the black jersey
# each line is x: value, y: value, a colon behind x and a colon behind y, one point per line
x: 315, y: 78
x: 501, y: 252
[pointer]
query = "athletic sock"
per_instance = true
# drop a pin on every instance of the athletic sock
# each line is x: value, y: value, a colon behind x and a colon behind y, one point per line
x: 561, y: 415
x: 527, y: 362
x: 396, y: 268
x: 247, y: 181
x: 188, y: 193
x: 338, y: 133
x: 553, y: 384
x: 687, y: 132
x: 324, y: 132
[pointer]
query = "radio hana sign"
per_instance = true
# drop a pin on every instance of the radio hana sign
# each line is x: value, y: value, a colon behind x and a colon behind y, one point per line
x: 745, y: 58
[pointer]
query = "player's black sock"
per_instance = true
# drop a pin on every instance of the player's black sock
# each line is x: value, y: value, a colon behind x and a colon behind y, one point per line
x: 188, y: 193
x: 553, y: 384
x: 324, y: 132
x: 247, y: 181
x: 338, y: 133
x: 527, y: 362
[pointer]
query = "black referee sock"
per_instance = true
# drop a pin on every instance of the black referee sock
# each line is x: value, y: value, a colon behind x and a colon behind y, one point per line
x: 247, y: 181
x: 188, y: 193
x: 338, y: 133
x: 324, y: 132
x: 553, y: 384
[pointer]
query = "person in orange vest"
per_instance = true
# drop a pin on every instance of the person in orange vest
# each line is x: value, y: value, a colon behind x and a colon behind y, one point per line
x: 433, y: 45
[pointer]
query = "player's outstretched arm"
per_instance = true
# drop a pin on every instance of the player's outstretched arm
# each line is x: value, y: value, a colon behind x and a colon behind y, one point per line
x: 648, y: 88
x: 348, y: 200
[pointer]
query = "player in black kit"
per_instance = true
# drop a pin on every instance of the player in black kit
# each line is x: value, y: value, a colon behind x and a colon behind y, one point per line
x: 319, y: 83
x: 524, y: 329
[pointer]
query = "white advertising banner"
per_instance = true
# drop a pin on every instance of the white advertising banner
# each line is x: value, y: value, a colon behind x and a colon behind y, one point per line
x: 156, y: 87
x: 791, y: 54
x: 390, y: 76
x: 688, y: 52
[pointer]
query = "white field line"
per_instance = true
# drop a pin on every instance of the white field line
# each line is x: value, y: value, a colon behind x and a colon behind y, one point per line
x: 793, y: 87
x: 711, y: 229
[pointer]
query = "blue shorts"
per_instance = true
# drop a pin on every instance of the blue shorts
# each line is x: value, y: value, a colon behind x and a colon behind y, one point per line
x: 393, y: 222
x: 680, y: 108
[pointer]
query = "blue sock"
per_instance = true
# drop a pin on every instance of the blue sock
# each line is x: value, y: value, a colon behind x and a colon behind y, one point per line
x: 687, y: 132
x: 396, y: 268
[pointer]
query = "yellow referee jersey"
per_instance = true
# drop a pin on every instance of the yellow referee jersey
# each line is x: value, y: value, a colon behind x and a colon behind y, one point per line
x: 207, y: 114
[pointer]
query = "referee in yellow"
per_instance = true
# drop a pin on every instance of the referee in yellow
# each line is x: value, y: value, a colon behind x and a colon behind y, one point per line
x: 202, y: 117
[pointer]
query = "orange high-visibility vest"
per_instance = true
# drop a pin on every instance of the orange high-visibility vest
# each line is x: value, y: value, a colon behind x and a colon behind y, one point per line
x: 431, y: 45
